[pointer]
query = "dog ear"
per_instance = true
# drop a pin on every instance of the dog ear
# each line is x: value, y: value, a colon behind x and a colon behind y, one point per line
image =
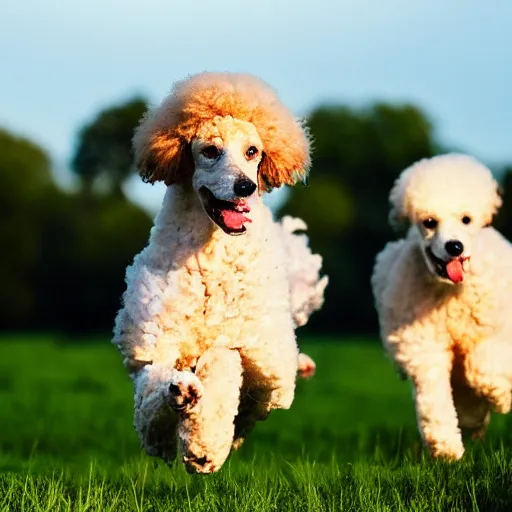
x: 398, y: 216
x: 273, y: 175
x: 398, y: 222
x: 166, y: 158
x: 286, y: 156
x: 267, y: 174
x: 495, y: 205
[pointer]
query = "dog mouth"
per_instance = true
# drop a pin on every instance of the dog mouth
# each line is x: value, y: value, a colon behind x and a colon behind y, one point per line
x: 227, y: 215
x: 452, y: 269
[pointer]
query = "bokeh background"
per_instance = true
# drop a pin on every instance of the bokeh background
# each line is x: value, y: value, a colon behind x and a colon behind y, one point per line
x: 381, y: 83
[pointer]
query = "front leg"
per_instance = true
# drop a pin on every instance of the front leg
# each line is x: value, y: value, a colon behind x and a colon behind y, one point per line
x: 156, y: 403
x: 430, y: 373
x: 488, y: 370
x: 270, y: 367
x: 251, y: 411
x: 270, y: 363
x: 207, y: 429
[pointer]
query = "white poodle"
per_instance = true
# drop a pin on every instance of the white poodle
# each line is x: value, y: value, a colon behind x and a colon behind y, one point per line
x: 207, y: 327
x: 443, y: 298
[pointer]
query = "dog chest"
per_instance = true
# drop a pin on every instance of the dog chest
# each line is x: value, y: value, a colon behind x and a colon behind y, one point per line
x: 467, y: 322
x: 226, y: 290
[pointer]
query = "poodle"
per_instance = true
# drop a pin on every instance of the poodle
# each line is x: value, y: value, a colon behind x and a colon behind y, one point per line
x: 208, y: 317
x: 442, y: 297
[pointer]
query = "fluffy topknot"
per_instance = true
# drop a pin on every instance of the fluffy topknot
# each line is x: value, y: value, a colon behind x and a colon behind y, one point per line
x: 162, y: 140
x: 442, y: 184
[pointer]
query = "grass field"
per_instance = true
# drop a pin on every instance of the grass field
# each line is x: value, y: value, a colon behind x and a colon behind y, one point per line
x: 348, y: 443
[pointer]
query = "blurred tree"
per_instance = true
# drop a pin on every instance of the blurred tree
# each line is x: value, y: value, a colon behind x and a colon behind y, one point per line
x: 357, y: 156
x: 63, y: 255
x: 25, y: 178
x: 103, y: 151
x: 503, y: 221
x: 87, y: 243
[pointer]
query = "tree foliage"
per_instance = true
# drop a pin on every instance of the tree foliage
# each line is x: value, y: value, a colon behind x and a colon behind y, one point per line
x: 103, y: 151
x: 358, y: 154
x: 25, y: 179
x: 503, y: 220
x: 63, y: 255
x: 87, y: 243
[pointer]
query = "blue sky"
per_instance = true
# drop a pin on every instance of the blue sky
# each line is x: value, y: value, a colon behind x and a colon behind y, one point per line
x: 62, y: 61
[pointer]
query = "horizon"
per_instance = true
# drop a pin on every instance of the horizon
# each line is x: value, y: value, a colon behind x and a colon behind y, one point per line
x: 450, y: 61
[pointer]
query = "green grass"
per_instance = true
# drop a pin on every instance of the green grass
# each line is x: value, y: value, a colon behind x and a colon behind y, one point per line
x: 349, y: 442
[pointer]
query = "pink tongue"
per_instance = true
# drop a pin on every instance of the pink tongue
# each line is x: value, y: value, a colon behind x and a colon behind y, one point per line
x: 234, y: 219
x: 454, y: 270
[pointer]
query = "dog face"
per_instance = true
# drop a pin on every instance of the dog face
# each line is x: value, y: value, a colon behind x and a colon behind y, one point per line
x: 229, y: 137
x: 447, y: 242
x: 446, y: 201
x: 226, y: 154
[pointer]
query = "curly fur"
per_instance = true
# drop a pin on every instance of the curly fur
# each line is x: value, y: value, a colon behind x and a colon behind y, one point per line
x: 160, y: 142
x: 207, y: 327
x: 452, y: 340
x: 306, y: 286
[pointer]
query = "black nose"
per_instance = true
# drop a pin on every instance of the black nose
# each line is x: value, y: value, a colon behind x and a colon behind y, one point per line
x: 454, y: 247
x: 244, y: 187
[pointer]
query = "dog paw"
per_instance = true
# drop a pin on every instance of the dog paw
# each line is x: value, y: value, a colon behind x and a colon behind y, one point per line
x: 199, y: 465
x: 307, y: 366
x: 446, y: 450
x: 184, y: 394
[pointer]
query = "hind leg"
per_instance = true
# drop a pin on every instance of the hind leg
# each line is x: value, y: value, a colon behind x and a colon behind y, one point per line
x: 473, y: 411
x: 206, y: 431
x: 253, y: 408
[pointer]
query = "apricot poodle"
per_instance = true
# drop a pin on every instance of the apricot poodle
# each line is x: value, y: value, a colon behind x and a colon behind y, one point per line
x: 207, y: 327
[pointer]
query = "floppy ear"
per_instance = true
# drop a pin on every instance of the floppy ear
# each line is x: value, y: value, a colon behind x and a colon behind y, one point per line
x: 268, y: 174
x: 165, y: 158
x: 286, y: 157
x: 494, y: 205
x: 272, y: 175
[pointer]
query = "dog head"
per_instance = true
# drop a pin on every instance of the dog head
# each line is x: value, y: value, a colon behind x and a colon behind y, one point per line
x: 445, y: 201
x: 227, y: 136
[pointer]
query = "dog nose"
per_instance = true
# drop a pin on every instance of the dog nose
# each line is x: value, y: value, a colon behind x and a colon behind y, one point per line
x: 244, y: 187
x: 454, y: 247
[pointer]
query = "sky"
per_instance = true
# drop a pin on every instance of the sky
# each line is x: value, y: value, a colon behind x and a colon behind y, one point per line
x: 62, y: 61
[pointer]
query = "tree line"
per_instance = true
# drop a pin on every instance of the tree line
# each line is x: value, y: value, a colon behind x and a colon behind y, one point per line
x: 63, y: 254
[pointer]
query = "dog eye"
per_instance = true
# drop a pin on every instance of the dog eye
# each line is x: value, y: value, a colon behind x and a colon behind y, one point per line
x: 210, y: 152
x: 466, y: 220
x: 430, y: 223
x: 251, y: 152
